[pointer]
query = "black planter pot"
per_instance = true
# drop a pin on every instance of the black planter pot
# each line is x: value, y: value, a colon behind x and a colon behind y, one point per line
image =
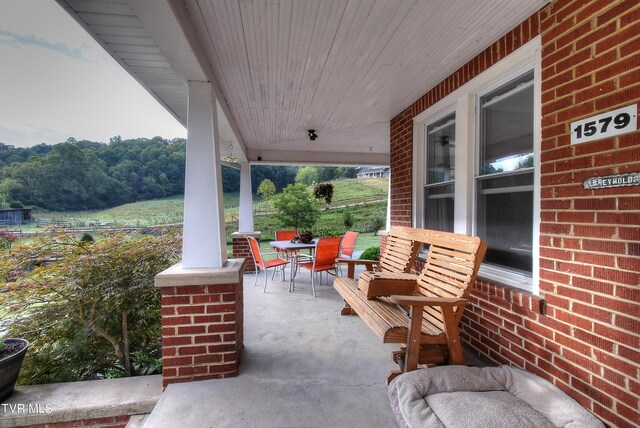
x: 10, y: 367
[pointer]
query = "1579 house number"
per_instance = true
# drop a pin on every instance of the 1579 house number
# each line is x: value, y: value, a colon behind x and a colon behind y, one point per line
x: 615, y: 122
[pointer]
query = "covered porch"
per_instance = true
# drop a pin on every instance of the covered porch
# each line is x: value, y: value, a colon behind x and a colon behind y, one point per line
x: 303, y: 365
x: 372, y: 79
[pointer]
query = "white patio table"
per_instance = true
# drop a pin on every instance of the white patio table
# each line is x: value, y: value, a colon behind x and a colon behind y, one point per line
x: 288, y: 245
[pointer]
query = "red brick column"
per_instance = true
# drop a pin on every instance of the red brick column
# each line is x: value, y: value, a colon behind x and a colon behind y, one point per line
x: 202, y: 316
x: 241, y: 248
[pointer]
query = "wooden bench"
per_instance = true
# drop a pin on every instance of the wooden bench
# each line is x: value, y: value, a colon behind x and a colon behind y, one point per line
x: 425, y: 322
x: 401, y: 252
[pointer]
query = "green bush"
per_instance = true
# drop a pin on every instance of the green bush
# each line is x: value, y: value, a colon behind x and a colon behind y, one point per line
x: 347, y: 219
x: 82, y: 306
x: 371, y: 253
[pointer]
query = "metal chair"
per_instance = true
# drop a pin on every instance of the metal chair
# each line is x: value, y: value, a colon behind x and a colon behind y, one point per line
x: 286, y: 235
x: 260, y: 263
x: 347, y: 246
x: 324, y: 259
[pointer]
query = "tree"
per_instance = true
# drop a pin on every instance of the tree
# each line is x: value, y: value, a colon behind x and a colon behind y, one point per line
x: 307, y: 175
x: 266, y: 189
x: 82, y: 304
x: 296, y: 208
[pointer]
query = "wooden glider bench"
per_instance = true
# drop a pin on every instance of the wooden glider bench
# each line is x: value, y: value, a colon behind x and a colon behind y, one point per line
x: 424, y: 320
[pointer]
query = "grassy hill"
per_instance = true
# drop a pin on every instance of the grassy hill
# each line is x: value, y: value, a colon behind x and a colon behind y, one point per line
x: 351, y: 192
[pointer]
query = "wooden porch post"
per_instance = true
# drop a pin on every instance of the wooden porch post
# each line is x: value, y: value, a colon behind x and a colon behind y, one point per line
x: 204, y: 243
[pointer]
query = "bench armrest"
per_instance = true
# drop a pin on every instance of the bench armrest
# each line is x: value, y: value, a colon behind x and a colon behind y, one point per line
x: 427, y: 301
x: 367, y: 263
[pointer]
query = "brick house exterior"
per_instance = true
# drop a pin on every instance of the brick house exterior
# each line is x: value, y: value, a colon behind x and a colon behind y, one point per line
x: 587, y: 343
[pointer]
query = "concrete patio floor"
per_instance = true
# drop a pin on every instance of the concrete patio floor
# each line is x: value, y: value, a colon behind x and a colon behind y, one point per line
x: 303, y: 365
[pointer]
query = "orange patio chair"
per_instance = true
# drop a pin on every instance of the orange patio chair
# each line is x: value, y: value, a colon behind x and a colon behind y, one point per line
x: 324, y: 259
x: 347, y: 246
x: 286, y: 235
x: 260, y: 263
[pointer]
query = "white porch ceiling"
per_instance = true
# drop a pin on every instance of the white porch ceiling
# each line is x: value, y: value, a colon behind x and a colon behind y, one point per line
x: 341, y: 67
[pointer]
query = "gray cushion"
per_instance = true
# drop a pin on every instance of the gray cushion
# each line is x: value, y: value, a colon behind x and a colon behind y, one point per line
x: 459, y: 396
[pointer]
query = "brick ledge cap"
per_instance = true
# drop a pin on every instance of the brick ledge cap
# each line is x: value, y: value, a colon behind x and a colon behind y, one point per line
x: 243, y: 234
x: 74, y: 401
x: 177, y: 276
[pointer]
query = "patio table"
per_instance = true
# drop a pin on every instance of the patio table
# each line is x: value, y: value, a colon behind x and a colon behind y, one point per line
x: 288, y: 245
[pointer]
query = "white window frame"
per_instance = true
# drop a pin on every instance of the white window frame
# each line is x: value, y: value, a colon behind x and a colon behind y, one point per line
x: 464, y: 102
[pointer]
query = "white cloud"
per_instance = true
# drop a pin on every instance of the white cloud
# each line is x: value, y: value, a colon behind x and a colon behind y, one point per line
x: 17, y: 40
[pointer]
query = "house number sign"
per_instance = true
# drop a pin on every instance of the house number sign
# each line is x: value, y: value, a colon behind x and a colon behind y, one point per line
x: 615, y: 122
x: 619, y: 180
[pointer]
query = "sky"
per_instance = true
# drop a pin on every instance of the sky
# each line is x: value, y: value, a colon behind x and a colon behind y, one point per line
x: 56, y: 82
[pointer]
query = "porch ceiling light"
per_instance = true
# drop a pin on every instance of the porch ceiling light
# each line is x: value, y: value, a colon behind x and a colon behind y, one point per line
x: 229, y: 157
x: 312, y: 134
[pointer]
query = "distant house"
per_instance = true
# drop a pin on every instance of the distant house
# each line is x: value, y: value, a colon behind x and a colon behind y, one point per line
x: 373, y: 172
x: 15, y: 217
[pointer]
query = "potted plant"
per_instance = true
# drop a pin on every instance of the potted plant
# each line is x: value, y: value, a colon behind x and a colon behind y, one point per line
x: 12, y: 352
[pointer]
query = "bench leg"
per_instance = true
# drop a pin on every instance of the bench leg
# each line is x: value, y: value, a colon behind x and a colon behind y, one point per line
x: 413, y: 339
x: 453, y: 337
x: 347, y: 310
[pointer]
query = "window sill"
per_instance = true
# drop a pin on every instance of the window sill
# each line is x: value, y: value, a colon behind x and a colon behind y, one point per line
x: 505, y: 277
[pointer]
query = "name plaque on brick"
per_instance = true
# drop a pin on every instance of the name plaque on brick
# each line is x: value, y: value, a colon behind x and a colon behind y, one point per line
x: 619, y: 180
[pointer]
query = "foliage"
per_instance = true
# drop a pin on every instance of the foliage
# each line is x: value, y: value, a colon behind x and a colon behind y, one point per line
x: 7, y: 238
x: 347, y: 219
x: 143, y: 364
x: 307, y: 175
x: 378, y: 220
x: 82, y: 304
x: 323, y: 191
x: 371, y: 253
x: 86, y: 237
x: 77, y: 175
x: 295, y: 207
x: 266, y: 189
x: 326, y: 232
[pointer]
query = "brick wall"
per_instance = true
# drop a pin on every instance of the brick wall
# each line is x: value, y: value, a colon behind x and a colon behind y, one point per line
x: 240, y: 248
x: 587, y: 343
x: 202, y: 332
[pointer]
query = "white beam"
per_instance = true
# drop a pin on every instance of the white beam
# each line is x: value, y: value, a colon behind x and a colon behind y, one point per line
x: 245, y: 217
x: 275, y: 157
x: 204, y: 243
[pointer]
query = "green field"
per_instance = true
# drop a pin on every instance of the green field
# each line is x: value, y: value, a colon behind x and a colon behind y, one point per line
x: 351, y: 194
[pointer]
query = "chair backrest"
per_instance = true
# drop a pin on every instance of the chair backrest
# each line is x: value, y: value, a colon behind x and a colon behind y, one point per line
x: 285, y: 235
x: 348, y: 244
x: 400, y: 252
x: 255, y: 251
x: 450, y: 269
x: 327, y: 251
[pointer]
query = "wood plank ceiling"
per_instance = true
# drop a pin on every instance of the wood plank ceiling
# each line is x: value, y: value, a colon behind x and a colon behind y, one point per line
x: 341, y: 67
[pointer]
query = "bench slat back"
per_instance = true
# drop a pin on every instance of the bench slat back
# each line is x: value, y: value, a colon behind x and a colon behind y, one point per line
x: 400, y: 252
x: 450, y: 269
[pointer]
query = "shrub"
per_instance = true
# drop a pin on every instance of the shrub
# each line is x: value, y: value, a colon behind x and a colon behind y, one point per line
x: 378, y: 221
x: 371, y: 253
x: 83, y: 305
x: 347, y: 219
